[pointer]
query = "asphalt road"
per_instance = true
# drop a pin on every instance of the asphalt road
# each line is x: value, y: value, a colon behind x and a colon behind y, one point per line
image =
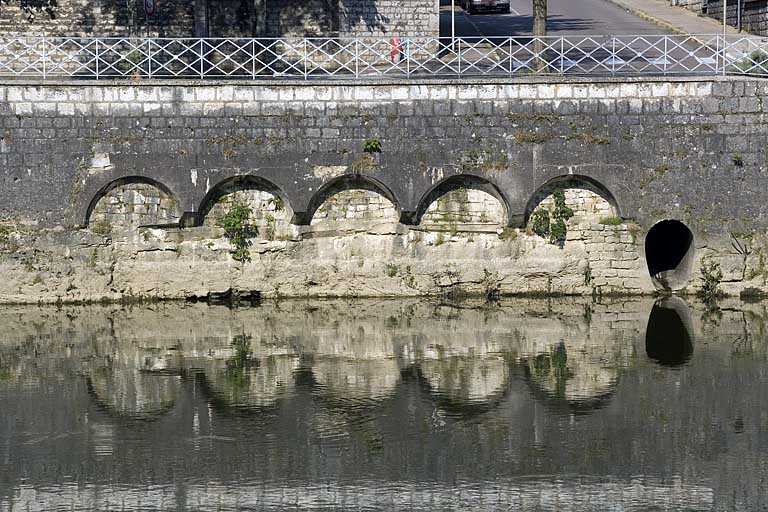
x: 580, y: 17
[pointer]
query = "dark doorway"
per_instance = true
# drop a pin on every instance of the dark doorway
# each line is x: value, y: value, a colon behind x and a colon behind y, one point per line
x: 668, y: 338
x: 669, y: 252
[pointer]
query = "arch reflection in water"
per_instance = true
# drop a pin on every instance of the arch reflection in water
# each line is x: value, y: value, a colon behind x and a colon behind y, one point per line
x: 249, y: 375
x: 355, y: 365
x: 465, y: 376
x: 573, y: 378
x: 133, y: 393
x: 669, y: 336
x: 135, y: 382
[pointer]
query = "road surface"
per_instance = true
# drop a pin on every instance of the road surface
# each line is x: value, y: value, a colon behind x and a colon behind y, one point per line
x: 566, y: 17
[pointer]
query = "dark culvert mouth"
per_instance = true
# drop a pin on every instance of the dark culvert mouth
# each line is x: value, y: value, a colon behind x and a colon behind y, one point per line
x: 669, y: 336
x: 669, y: 252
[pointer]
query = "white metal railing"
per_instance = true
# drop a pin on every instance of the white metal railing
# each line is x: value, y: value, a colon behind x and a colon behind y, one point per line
x: 362, y: 58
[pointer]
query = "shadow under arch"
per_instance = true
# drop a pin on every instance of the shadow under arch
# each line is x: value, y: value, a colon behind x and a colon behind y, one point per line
x: 543, y: 366
x: 450, y: 183
x: 669, y: 336
x: 343, y: 183
x: 128, y: 180
x: 233, y: 184
x: 234, y: 408
x: 562, y: 182
x: 148, y: 414
x: 458, y: 407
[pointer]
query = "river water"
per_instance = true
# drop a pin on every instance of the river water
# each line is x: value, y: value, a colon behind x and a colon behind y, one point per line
x: 386, y: 405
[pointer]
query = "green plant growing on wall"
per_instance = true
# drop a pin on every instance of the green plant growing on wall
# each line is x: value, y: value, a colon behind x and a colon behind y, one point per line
x: 102, y: 227
x: 743, y: 248
x: 278, y: 202
x: 711, y: 276
x: 540, y: 223
x: 238, y: 230
x: 552, y: 225
x: 738, y: 160
x: 365, y: 162
x: 390, y: 269
x: 558, y: 229
x: 371, y: 146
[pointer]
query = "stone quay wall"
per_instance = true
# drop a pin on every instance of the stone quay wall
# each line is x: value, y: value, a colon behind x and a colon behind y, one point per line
x: 754, y: 13
x: 225, y: 18
x: 117, y: 190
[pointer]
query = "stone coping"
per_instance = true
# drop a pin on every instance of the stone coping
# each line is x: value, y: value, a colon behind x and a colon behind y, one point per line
x: 16, y: 82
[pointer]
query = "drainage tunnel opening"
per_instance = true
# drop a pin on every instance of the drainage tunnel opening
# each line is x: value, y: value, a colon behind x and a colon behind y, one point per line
x: 669, y: 252
x: 668, y: 338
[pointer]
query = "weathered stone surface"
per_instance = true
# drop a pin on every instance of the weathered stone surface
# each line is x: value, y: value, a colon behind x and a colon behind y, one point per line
x: 438, y: 177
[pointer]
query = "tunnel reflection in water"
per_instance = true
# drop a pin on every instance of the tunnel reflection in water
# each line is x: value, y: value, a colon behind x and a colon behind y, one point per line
x: 669, y: 338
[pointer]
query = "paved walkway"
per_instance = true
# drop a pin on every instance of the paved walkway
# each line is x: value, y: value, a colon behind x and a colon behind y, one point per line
x: 676, y: 19
x: 568, y: 17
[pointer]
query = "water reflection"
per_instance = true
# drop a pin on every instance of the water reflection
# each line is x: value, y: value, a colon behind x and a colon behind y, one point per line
x: 247, y: 375
x: 524, y: 404
x: 134, y: 381
x: 669, y: 337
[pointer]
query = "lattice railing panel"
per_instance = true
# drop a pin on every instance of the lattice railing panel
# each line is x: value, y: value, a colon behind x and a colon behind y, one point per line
x: 370, y: 58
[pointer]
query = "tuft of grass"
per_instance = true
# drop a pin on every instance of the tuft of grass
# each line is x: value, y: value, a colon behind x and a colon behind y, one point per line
x: 102, y: 227
x: 611, y: 220
x: 525, y: 137
x: 508, y: 234
x: 372, y: 146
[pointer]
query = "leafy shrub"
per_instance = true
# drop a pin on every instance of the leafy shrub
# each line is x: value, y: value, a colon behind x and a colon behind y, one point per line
x: 711, y: 275
x: 552, y: 226
x: 756, y: 63
x: 372, y: 146
x: 238, y: 230
x: 558, y: 229
x: 540, y: 223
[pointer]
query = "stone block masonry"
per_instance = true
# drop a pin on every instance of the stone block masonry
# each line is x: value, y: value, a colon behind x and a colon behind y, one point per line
x: 376, y: 188
x: 227, y: 19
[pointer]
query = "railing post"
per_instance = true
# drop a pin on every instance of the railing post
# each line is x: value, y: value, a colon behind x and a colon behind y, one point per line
x: 725, y: 55
x: 562, y: 56
x: 306, y: 73
x: 357, y: 58
x: 511, y: 60
x: 253, y: 59
x: 45, y: 58
x: 666, y: 53
x: 458, y: 51
x: 613, y: 55
x: 407, y: 50
x: 202, y: 71
x: 98, y: 58
x: 149, y: 57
